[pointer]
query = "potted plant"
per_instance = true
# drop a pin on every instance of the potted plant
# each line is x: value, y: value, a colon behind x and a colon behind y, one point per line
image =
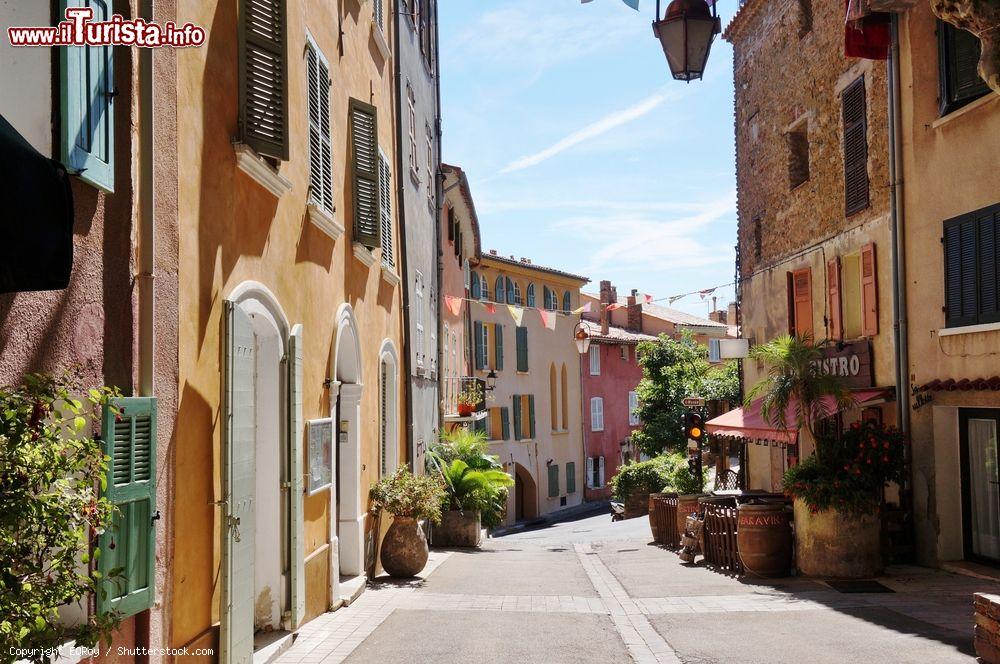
x: 476, y: 486
x: 836, y: 500
x: 469, y: 399
x: 633, y: 483
x: 408, y: 499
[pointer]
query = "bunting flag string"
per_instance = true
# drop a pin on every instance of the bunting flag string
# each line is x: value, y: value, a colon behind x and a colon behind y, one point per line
x: 454, y: 304
x: 548, y: 318
x: 517, y: 313
x: 584, y: 309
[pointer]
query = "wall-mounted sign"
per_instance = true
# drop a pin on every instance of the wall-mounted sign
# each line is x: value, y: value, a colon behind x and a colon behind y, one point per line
x: 851, y: 360
x: 320, y: 454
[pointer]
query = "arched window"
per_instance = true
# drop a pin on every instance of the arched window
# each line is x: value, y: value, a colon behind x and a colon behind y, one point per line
x: 565, y: 398
x: 553, y: 397
x: 547, y: 297
x: 484, y: 288
x: 567, y: 302
x: 511, y: 299
x: 499, y: 290
x: 517, y: 294
x: 530, y: 295
x: 476, y: 290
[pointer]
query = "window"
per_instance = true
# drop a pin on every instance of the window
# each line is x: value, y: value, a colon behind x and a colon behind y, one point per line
x: 623, y: 353
x: 852, y: 295
x: 320, y: 154
x: 570, y: 477
x: 553, y: 397
x: 418, y: 296
x: 517, y: 294
x: 565, y: 398
x: 488, y: 356
x: 633, y: 409
x: 511, y: 292
x: 466, y: 274
x: 595, y: 472
x: 797, y: 141
x: 550, y: 298
x: 451, y: 223
x: 499, y: 290
x: 385, y: 209
x: 87, y: 136
x: 800, y: 308
x: 972, y: 259
x: 476, y: 289
x: 567, y: 302
x: 553, y: 480
x: 426, y: 43
x: 263, y: 76
x: 431, y: 170
x: 484, y: 288
x: 530, y: 295
x: 364, y: 130
x: 595, y: 359
x: 499, y: 427
x: 596, y: 414
x: 411, y: 105
x: 521, y: 339
x: 855, y: 147
x: 958, y: 62
x: 524, y: 416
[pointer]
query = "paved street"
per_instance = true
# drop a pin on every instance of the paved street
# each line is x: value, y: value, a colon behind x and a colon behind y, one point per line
x: 594, y: 591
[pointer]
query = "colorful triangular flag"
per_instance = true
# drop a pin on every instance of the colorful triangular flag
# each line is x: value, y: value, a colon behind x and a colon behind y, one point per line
x: 517, y: 313
x: 584, y: 309
x: 454, y: 304
x: 490, y: 307
x: 548, y: 318
x: 614, y: 306
x: 648, y: 298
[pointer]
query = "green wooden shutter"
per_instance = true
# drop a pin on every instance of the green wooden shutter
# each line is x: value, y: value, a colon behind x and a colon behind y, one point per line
x: 479, y: 348
x: 505, y: 422
x: 263, y: 77
x: 474, y: 286
x: 364, y: 148
x: 517, y: 417
x: 553, y: 480
x: 128, y: 547
x: 296, y: 426
x: 87, y: 84
x: 521, y: 337
x: 498, y: 341
x: 531, y: 414
x: 571, y: 477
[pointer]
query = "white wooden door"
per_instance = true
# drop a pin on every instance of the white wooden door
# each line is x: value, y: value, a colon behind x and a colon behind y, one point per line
x: 238, y: 490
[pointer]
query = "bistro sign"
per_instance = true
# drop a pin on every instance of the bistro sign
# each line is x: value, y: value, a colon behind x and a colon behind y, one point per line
x: 852, y: 361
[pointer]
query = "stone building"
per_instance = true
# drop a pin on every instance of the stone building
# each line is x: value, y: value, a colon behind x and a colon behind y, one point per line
x: 418, y: 161
x: 812, y: 182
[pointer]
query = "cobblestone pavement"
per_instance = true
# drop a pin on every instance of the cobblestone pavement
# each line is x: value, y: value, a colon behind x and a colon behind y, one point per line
x: 590, y: 590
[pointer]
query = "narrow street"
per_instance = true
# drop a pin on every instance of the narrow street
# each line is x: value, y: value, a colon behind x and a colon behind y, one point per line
x: 589, y: 590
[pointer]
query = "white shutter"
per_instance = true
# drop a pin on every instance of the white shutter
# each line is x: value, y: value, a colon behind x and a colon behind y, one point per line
x: 600, y: 470
x: 714, y: 350
x: 597, y: 414
x: 296, y: 470
x: 590, y: 472
x: 418, y: 292
x: 320, y: 152
x: 595, y: 360
x: 385, y: 192
x: 238, y: 478
x: 633, y: 405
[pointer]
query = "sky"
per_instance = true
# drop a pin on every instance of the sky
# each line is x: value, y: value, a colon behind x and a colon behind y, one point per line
x: 582, y: 152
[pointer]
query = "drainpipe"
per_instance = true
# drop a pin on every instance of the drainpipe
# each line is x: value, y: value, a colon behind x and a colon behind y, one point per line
x: 899, y: 323
x: 403, y: 262
x: 438, y: 208
x: 146, y: 227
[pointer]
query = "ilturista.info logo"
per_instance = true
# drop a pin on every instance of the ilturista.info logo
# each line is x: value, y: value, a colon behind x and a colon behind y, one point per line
x: 79, y: 29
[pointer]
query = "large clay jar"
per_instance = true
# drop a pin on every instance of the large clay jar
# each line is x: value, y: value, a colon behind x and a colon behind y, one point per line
x: 831, y: 544
x: 404, y: 548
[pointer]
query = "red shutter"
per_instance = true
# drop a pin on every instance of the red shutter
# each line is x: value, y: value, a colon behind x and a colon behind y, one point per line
x: 835, y: 321
x: 869, y: 291
x: 802, y: 294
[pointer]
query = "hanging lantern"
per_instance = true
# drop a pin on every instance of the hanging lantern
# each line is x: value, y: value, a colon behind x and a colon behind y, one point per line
x: 582, y: 338
x: 686, y: 33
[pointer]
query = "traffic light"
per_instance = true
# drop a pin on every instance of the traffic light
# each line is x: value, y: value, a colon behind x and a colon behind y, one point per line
x: 694, y: 426
x: 694, y: 465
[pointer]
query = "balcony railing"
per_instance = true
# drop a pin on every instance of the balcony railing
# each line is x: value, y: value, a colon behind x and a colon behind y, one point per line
x: 452, y: 386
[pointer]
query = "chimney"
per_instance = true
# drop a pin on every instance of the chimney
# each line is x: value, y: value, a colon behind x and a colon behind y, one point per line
x: 634, y: 312
x: 719, y: 316
x: 731, y: 315
x: 607, y: 291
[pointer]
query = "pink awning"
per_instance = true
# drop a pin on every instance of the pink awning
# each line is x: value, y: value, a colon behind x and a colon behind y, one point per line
x: 747, y: 422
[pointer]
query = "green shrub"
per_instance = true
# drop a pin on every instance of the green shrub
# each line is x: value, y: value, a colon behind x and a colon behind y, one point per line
x: 406, y: 495
x: 641, y: 477
x: 473, y: 478
x: 681, y: 479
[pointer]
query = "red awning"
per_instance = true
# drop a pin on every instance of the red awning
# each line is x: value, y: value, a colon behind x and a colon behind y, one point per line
x: 747, y: 422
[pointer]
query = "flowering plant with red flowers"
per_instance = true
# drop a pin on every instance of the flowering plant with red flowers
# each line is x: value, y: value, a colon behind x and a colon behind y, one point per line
x: 852, y: 472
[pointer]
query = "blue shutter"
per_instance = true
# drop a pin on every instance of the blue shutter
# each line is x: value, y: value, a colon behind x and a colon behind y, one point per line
x: 553, y: 481
x: 128, y: 546
x: 571, y: 477
x: 530, y: 295
x: 567, y: 302
x: 531, y: 414
x: 510, y: 291
x: 476, y: 290
x: 517, y: 417
x: 498, y: 290
x: 505, y: 422
x: 521, y: 337
x: 86, y: 82
x: 480, y: 360
x: 498, y: 341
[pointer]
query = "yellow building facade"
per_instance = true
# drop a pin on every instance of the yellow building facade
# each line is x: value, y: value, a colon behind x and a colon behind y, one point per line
x: 291, y: 402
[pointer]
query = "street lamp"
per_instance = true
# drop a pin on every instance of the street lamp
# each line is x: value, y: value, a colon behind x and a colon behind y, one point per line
x: 491, y: 381
x: 686, y: 33
x: 582, y: 338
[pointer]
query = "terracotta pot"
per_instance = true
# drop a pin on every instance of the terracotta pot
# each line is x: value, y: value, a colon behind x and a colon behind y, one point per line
x: 637, y: 504
x: 458, y: 529
x: 465, y: 409
x: 404, y: 548
x: 831, y: 544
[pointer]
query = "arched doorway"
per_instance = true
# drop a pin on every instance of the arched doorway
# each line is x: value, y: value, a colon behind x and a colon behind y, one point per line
x: 347, y: 513
x: 525, y: 494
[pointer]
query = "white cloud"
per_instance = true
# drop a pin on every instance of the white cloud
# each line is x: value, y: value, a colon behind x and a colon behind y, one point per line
x: 591, y: 131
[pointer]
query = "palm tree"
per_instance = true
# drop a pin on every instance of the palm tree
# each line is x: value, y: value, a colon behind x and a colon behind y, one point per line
x: 795, y: 375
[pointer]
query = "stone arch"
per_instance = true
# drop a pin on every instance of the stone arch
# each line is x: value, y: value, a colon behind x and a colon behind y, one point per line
x: 388, y: 407
x: 525, y: 494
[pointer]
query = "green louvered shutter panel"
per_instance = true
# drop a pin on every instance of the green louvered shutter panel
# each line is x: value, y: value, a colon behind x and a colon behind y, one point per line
x: 498, y: 340
x: 505, y: 422
x: 296, y: 432
x: 553, y: 481
x: 480, y: 348
x: 531, y: 414
x: 364, y: 151
x: 263, y: 77
x: 517, y: 417
x: 571, y: 477
x: 128, y: 547
x: 521, y: 335
x: 474, y: 286
x: 87, y: 81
